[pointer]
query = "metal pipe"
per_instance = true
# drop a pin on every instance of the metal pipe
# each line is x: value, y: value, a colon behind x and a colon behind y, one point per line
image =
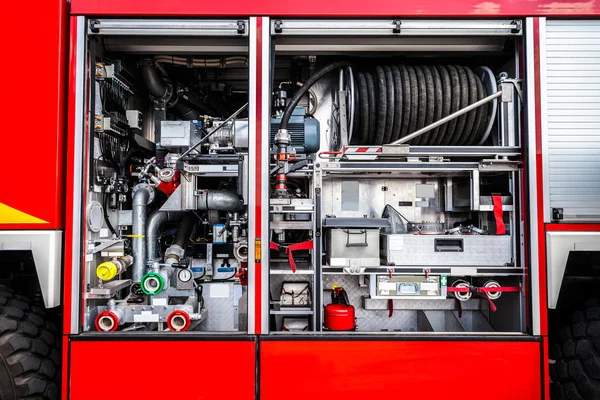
x: 142, y: 196
x: 155, y: 221
x: 205, y: 138
x: 448, y: 118
x: 220, y: 200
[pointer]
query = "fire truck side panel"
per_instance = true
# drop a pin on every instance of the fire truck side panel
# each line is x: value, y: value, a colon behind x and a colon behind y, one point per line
x: 176, y: 368
x: 34, y: 138
x: 336, y: 8
x: 359, y: 369
x: 570, y: 149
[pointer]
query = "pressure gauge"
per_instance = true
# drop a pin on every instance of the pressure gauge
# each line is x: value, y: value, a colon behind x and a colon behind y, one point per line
x: 185, y: 275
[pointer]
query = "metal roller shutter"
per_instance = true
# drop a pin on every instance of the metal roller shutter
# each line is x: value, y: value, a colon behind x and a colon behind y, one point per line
x: 571, y: 127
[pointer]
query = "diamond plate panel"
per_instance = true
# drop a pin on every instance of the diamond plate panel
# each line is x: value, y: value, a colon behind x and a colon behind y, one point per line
x: 477, y: 251
x: 369, y: 320
x: 222, y: 311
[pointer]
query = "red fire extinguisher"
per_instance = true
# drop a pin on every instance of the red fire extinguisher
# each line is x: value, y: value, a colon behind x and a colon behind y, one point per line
x: 339, y: 315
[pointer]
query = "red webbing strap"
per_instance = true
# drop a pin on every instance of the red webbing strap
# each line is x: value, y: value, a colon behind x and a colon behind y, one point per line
x: 390, y: 308
x: 497, y: 202
x: 308, y: 245
x: 486, y: 290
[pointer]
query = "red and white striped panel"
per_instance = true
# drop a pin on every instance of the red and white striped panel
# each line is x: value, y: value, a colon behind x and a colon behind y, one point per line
x: 362, y: 152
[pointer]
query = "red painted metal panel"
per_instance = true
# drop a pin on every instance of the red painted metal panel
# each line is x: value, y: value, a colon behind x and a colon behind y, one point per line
x: 70, y: 182
x: 337, y: 8
x: 540, y: 182
x: 400, y: 369
x: 258, y: 178
x: 573, y: 227
x: 159, y: 370
x: 33, y: 129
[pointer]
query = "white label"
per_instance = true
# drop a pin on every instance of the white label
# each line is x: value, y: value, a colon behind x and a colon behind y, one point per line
x: 89, y: 257
x: 429, y: 286
x: 146, y: 316
x: 463, y: 271
x: 387, y: 286
x: 159, y: 302
x: 219, y: 290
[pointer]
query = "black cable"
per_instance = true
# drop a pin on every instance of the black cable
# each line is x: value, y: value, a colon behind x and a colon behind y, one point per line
x: 106, y: 219
x: 305, y: 87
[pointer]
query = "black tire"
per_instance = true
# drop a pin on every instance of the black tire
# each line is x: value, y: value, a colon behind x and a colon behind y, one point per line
x: 575, y: 373
x: 29, y: 351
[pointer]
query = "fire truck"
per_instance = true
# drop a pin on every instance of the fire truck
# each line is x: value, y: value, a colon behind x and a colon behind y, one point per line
x: 266, y: 200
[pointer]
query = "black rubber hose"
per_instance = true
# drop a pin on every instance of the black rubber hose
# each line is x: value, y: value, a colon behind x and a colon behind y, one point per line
x: 479, y: 115
x: 364, y: 109
x: 356, y: 127
x: 285, y: 118
x: 372, y: 108
x: 454, y: 104
x: 184, y: 231
x: 406, y: 104
x: 422, y: 107
x: 430, y: 99
x: 398, y: 103
x: 470, y: 120
x: 485, y: 109
x: 389, y: 121
x: 446, y: 101
x: 186, y: 111
x: 459, y: 133
x: 438, y: 98
x: 154, y: 82
x: 380, y: 84
x: 414, y: 100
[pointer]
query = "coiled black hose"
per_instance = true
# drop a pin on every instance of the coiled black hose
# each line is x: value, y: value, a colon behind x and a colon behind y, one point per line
x: 394, y: 101
x: 307, y: 85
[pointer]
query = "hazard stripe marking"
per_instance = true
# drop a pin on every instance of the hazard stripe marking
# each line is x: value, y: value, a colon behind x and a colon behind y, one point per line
x: 9, y: 215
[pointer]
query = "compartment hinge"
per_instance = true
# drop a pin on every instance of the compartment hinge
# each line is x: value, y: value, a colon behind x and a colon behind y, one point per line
x: 241, y: 27
x: 278, y: 25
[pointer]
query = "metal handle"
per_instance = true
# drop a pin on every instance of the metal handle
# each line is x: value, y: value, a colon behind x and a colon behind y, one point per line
x: 360, y: 232
x: 448, y: 245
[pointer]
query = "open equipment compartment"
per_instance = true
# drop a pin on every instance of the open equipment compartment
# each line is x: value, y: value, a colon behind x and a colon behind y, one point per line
x: 396, y: 176
x: 166, y: 201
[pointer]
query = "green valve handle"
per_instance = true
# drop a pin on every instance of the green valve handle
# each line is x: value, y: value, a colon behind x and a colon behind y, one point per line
x: 152, y: 283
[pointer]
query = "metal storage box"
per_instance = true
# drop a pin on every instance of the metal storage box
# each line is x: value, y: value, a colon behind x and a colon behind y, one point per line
x: 353, y: 242
x: 446, y: 250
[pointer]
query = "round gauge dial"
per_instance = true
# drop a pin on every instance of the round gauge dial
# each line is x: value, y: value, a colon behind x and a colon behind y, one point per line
x: 185, y: 275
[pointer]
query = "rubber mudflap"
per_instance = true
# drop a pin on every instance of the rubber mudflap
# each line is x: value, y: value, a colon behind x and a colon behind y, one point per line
x: 454, y: 104
x: 485, y: 116
x: 372, y: 109
x: 438, y: 100
x: 470, y: 120
x: 430, y: 103
x: 446, y: 101
x: 476, y: 135
x: 391, y: 108
x: 422, y: 107
x: 406, y: 103
x: 380, y: 83
x: 364, y: 108
x: 356, y: 127
x: 397, y: 104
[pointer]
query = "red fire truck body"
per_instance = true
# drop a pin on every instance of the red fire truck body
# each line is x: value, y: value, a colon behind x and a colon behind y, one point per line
x: 552, y: 50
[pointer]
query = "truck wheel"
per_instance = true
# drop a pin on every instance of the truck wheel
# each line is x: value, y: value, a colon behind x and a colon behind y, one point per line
x: 29, y: 352
x: 575, y: 374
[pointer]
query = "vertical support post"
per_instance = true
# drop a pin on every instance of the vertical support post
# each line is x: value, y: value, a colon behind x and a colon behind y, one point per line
x: 258, y: 165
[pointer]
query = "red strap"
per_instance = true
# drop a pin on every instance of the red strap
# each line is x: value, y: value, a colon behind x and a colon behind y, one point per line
x: 308, y: 245
x: 390, y: 308
x: 497, y: 201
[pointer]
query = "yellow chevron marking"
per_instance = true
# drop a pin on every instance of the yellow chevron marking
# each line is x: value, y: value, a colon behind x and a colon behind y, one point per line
x: 9, y: 215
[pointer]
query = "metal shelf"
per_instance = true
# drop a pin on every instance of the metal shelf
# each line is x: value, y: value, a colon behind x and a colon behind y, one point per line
x: 291, y: 312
